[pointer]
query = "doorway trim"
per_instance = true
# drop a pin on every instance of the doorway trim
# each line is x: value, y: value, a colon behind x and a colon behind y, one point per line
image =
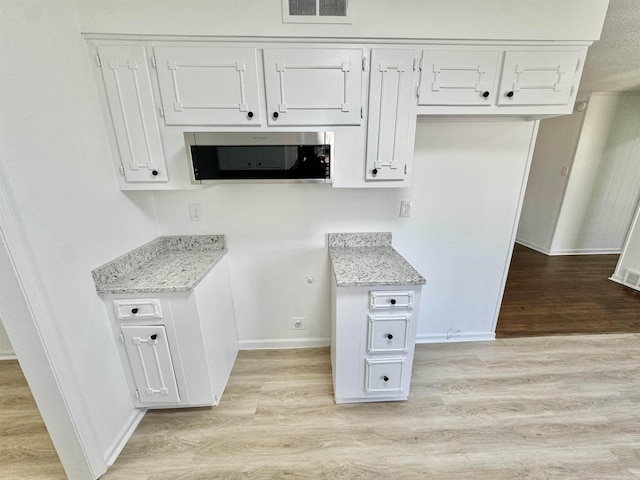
x: 29, y: 323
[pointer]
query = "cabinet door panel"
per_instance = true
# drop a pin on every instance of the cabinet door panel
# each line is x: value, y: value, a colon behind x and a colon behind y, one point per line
x: 125, y: 72
x: 541, y: 77
x: 313, y: 86
x: 208, y: 85
x: 390, y: 114
x: 458, y: 77
x: 151, y: 364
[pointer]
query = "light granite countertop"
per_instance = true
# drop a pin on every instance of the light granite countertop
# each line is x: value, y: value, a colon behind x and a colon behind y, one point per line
x: 368, y: 259
x: 164, y: 265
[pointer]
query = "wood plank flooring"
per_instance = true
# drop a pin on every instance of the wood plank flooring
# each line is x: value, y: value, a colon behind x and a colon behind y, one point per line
x: 565, y: 295
x: 559, y: 407
x: 563, y: 407
x: 26, y: 450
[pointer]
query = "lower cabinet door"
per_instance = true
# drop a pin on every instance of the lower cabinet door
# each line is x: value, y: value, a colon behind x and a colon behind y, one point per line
x: 384, y: 375
x: 151, y: 365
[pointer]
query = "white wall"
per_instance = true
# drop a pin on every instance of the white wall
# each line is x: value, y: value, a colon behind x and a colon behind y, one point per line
x: 588, y: 211
x: 55, y: 163
x: 470, y: 19
x: 555, y: 149
x: 6, y: 350
x: 467, y: 181
x: 604, y: 186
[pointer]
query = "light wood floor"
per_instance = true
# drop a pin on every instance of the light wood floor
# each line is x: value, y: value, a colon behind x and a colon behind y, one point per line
x: 26, y: 450
x: 537, y: 408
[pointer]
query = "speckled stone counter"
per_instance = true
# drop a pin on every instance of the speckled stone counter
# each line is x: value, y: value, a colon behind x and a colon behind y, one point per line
x: 368, y: 259
x: 166, y: 264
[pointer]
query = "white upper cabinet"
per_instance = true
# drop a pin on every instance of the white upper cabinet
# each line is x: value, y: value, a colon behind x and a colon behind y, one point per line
x: 313, y: 86
x: 127, y: 83
x: 392, y: 115
x: 208, y: 85
x: 458, y: 77
x: 512, y: 80
x: 538, y: 77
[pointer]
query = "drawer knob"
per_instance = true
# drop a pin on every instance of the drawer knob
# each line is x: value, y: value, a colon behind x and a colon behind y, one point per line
x: 374, y: 172
x: 392, y: 301
x: 276, y: 115
x: 485, y: 94
x: 385, y: 378
x: 134, y: 310
x: 250, y: 114
x: 154, y: 173
x: 154, y: 336
x: 389, y: 336
x: 510, y: 94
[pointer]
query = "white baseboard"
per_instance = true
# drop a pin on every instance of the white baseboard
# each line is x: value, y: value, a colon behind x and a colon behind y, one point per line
x: 586, y: 251
x: 569, y: 251
x: 123, y: 437
x: 459, y: 337
x: 8, y: 356
x: 533, y: 246
x: 282, y: 343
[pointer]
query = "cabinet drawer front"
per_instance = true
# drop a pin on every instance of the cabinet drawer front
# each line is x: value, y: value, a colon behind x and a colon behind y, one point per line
x: 388, y: 333
x: 131, y: 309
x: 384, y: 375
x: 387, y: 300
x: 151, y: 365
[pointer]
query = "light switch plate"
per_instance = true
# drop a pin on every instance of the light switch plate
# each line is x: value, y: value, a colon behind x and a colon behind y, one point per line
x: 405, y: 208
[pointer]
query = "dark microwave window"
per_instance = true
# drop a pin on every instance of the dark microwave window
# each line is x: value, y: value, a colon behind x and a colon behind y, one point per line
x: 236, y: 162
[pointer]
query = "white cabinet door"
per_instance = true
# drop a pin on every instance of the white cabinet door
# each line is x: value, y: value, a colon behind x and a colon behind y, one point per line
x: 391, y: 114
x: 320, y: 86
x: 125, y: 71
x: 542, y: 77
x: 458, y: 77
x: 151, y: 365
x: 208, y: 85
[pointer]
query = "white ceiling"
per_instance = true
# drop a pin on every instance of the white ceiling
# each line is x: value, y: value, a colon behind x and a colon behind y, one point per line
x: 613, y: 62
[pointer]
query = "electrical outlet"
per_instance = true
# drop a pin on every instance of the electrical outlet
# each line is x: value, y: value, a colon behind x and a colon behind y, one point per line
x: 194, y: 212
x: 297, y: 323
x: 405, y: 208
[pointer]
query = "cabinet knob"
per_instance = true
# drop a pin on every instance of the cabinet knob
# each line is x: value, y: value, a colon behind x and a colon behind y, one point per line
x: 392, y: 301
x: 374, y: 172
x: 510, y: 94
x: 276, y: 114
x: 250, y: 114
x: 485, y: 94
x: 389, y: 336
x: 385, y: 378
x: 154, y: 172
x: 134, y: 310
x: 154, y: 336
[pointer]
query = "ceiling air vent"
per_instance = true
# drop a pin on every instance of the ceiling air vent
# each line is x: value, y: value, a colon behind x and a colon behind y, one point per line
x: 315, y: 11
x: 632, y: 279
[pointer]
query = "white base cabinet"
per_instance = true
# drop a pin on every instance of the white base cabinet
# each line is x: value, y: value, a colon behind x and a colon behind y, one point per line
x: 177, y: 349
x: 373, y: 333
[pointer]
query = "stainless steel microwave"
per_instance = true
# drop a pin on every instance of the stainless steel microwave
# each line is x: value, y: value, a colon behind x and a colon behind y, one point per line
x: 259, y: 156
